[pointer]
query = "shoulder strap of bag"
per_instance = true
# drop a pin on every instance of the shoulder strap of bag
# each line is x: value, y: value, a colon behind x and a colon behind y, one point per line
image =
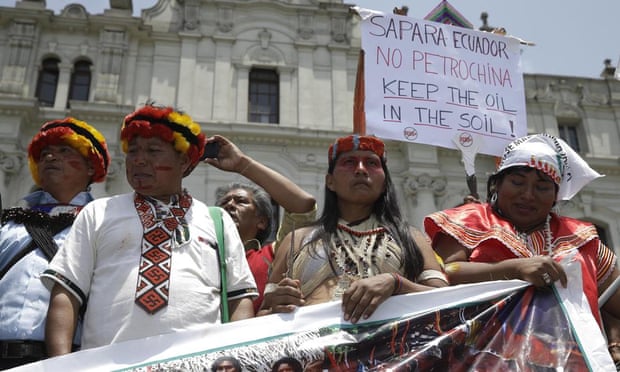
x: 216, y: 215
x: 21, y: 254
x: 42, y: 238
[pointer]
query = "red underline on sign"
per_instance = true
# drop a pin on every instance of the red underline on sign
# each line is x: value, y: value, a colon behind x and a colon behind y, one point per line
x: 459, y: 105
x: 411, y: 99
x: 484, y: 135
x: 503, y: 112
x: 430, y: 125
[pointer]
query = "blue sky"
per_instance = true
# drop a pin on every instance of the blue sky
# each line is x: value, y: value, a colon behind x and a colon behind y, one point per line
x: 572, y: 37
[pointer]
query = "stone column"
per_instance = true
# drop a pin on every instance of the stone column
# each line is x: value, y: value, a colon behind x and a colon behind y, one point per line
x: 421, y: 191
x: 62, y: 89
x: 243, y: 81
x: 187, y: 89
x: 112, y: 49
x: 288, y: 102
x: 20, y: 44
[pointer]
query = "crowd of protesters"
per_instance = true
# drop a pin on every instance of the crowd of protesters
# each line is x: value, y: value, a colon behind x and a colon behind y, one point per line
x: 150, y: 261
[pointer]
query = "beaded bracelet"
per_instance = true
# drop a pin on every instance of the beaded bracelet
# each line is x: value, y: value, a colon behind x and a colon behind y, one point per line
x: 432, y: 274
x: 398, y: 283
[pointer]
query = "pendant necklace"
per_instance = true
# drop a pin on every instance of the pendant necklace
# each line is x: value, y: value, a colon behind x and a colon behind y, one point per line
x: 527, y: 238
x: 353, y: 252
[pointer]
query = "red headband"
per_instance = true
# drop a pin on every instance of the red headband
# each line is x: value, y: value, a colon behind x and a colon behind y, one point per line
x: 356, y: 142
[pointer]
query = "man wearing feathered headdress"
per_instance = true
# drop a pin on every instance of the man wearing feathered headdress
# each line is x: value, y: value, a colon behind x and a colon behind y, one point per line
x: 147, y: 262
x: 65, y: 157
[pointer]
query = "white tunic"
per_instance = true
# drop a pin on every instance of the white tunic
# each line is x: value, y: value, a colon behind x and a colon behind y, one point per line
x: 100, y: 257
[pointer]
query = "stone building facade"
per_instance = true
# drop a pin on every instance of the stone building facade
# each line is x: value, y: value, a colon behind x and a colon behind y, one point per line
x: 275, y: 76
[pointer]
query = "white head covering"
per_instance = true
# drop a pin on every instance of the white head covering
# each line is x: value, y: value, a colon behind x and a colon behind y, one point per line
x: 552, y: 156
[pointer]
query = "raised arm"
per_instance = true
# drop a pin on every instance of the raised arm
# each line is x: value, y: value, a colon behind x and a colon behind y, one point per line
x: 285, y: 192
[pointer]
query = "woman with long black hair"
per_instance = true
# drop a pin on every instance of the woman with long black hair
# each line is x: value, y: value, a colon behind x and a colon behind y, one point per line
x: 360, y: 250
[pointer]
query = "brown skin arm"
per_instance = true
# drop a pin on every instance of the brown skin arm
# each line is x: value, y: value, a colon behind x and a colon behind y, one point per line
x: 612, y: 329
x: 241, y: 308
x: 459, y: 270
x: 610, y: 313
x: 612, y: 306
x: 62, y: 316
x: 430, y: 263
x: 286, y: 295
x: 284, y: 191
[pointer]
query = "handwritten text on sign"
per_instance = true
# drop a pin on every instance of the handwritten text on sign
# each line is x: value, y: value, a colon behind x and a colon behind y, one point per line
x: 427, y: 82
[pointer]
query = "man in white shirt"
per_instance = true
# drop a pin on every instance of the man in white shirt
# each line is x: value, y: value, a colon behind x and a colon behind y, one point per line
x: 146, y: 263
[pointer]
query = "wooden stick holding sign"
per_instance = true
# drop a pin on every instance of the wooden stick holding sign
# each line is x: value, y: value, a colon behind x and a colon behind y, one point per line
x: 359, y: 113
x: 469, y: 144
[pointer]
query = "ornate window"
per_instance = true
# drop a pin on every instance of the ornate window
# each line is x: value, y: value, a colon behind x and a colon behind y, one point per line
x: 48, y: 82
x: 80, y: 81
x: 264, y: 96
x: 570, y: 135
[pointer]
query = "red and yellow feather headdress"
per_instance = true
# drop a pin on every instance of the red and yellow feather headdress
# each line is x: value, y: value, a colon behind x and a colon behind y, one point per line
x: 169, y: 125
x: 87, y: 140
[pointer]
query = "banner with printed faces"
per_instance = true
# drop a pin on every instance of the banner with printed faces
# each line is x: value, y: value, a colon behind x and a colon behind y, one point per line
x: 501, y: 325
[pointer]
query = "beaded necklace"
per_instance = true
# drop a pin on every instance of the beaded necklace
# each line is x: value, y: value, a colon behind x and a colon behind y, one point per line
x: 527, y: 239
x: 354, y: 252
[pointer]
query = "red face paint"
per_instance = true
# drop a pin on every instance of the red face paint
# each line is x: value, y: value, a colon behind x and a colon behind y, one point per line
x: 350, y: 163
x: 75, y: 164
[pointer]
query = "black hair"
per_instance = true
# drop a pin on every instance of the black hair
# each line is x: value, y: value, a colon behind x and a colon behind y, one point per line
x: 261, y: 200
x: 233, y: 360
x: 296, y: 364
x: 387, y: 212
x: 498, y: 177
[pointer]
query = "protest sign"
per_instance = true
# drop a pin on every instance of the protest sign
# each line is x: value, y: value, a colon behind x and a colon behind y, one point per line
x: 429, y: 83
x: 501, y: 325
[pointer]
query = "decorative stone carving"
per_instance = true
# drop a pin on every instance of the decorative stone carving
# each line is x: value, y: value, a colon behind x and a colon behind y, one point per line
x: 305, y: 30
x: 112, y: 47
x: 414, y: 184
x: 11, y: 163
x: 191, y: 9
x: 75, y: 11
x: 225, y: 22
x: 264, y: 36
x: 264, y: 54
x: 339, y: 29
x: 21, y: 41
x: 589, y: 98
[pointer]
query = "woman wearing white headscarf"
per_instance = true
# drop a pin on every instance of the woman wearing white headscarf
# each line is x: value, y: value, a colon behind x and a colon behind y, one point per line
x: 515, y: 235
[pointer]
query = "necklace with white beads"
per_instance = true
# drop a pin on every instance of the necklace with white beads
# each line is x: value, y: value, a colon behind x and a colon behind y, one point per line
x: 526, y: 238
